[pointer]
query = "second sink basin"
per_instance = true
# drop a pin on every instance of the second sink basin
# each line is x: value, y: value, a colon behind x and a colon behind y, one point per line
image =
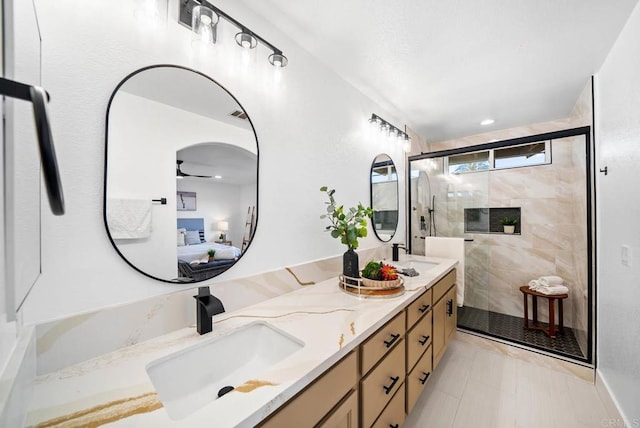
x: 419, y: 265
x: 191, y: 378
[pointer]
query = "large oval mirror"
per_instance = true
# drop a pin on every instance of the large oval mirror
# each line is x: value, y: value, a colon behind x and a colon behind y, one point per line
x: 181, y: 175
x: 384, y: 197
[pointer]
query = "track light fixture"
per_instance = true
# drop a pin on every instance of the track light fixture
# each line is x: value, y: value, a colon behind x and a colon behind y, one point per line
x: 388, y: 129
x: 246, y: 40
x: 202, y: 18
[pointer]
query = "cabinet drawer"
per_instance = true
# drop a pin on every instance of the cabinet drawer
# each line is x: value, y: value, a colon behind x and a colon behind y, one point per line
x: 312, y: 404
x: 443, y: 285
x: 417, y: 379
x: 377, y: 388
x: 418, y: 308
x: 393, y: 415
x: 382, y: 341
x: 419, y: 339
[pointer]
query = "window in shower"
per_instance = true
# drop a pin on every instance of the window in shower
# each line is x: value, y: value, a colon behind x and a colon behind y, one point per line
x: 524, y: 155
x: 468, y: 162
x: 532, y: 154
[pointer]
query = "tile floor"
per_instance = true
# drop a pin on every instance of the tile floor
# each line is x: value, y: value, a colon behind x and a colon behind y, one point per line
x: 510, y: 328
x: 476, y: 386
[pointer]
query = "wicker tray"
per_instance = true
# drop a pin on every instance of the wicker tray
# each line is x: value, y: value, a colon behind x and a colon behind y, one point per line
x: 373, y: 283
x: 355, y: 286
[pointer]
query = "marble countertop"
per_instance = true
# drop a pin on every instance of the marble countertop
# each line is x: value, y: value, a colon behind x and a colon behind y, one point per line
x: 115, y: 388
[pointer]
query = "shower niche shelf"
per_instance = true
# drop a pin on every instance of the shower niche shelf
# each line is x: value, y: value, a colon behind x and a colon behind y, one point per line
x: 487, y: 220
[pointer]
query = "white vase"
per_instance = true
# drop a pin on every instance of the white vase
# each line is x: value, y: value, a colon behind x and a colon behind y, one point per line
x: 509, y: 229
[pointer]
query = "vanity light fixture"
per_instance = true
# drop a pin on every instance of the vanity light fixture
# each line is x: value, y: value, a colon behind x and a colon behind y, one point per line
x: 278, y: 60
x: 246, y: 40
x: 487, y: 122
x: 388, y: 129
x: 191, y: 14
x: 203, y: 23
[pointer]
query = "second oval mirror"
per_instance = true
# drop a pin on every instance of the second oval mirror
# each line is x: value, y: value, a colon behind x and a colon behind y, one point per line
x: 384, y: 197
x: 181, y: 179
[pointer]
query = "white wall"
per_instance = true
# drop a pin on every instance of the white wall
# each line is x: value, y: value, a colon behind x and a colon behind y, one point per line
x: 311, y: 126
x: 617, y: 138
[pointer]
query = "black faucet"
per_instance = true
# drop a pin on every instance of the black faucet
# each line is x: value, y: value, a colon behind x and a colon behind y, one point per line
x: 207, y: 306
x: 395, y: 256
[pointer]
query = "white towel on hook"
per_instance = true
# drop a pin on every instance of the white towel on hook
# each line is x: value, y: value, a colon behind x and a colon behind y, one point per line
x: 129, y: 218
x: 551, y: 280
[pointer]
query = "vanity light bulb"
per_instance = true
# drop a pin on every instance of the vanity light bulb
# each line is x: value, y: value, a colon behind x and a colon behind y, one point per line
x: 203, y: 24
x: 406, y: 145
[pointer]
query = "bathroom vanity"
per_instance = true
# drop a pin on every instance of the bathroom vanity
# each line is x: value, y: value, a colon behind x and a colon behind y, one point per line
x: 353, y: 362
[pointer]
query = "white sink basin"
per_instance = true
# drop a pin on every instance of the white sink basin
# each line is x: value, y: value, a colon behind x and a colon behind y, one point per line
x: 419, y: 265
x: 191, y: 378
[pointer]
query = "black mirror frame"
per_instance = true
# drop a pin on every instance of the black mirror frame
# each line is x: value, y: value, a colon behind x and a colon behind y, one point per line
x: 106, y: 150
x: 373, y: 226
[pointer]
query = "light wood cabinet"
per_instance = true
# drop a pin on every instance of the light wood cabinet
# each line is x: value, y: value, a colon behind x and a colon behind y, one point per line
x: 345, y: 415
x: 419, y: 339
x: 418, y: 308
x: 393, y: 415
x: 311, y: 405
x: 395, y: 364
x: 417, y: 379
x: 382, y: 341
x: 444, y: 322
x: 378, y: 386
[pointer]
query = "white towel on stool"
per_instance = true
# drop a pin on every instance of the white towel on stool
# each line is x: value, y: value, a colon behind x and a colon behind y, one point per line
x: 534, y: 284
x: 550, y: 280
x: 552, y: 290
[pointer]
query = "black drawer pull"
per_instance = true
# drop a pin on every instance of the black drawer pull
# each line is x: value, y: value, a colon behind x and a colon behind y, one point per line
x: 390, y: 342
x: 388, y: 389
x: 424, y: 379
x: 424, y: 340
x: 424, y: 308
x: 450, y: 307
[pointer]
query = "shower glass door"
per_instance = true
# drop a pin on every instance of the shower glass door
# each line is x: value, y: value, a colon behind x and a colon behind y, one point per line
x: 444, y: 191
x: 542, y: 184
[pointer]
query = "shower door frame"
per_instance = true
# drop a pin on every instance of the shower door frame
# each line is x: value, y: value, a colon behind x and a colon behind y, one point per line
x: 590, y: 201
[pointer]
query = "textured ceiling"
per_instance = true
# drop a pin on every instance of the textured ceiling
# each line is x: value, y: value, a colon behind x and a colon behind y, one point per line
x: 442, y: 66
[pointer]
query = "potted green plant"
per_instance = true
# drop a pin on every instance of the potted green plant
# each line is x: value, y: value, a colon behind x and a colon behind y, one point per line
x: 509, y: 224
x: 211, y: 253
x: 379, y: 274
x: 348, y: 225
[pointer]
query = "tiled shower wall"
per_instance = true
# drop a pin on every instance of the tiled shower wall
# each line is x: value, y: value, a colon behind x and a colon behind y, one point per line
x: 553, y: 199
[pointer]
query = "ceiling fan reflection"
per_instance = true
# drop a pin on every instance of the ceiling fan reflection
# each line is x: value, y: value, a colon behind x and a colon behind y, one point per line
x: 180, y: 174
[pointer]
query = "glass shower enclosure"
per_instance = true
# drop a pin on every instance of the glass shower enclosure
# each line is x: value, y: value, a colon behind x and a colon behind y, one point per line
x: 542, y: 184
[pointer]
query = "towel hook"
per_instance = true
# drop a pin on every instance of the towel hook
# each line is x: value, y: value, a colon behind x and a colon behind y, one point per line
x: 605, y: 170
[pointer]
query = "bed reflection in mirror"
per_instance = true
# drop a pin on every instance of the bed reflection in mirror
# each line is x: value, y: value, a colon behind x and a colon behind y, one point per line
x: 181, y: 175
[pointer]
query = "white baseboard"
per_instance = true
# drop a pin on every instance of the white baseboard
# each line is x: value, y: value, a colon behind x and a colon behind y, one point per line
x: 609, y: 401
x: 16, y: 380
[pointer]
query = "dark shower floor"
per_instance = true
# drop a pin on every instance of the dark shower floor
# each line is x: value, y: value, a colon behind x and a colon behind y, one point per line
x: 511, y: 328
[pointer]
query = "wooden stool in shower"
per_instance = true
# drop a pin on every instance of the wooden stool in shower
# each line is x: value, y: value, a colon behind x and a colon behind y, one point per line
x: 551, y: 330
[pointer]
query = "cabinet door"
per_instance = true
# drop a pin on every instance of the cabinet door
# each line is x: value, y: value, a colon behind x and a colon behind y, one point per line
x: 309, y: 407
x: 451, y: 314
x: 344, y: 415
x: 439, y: 321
